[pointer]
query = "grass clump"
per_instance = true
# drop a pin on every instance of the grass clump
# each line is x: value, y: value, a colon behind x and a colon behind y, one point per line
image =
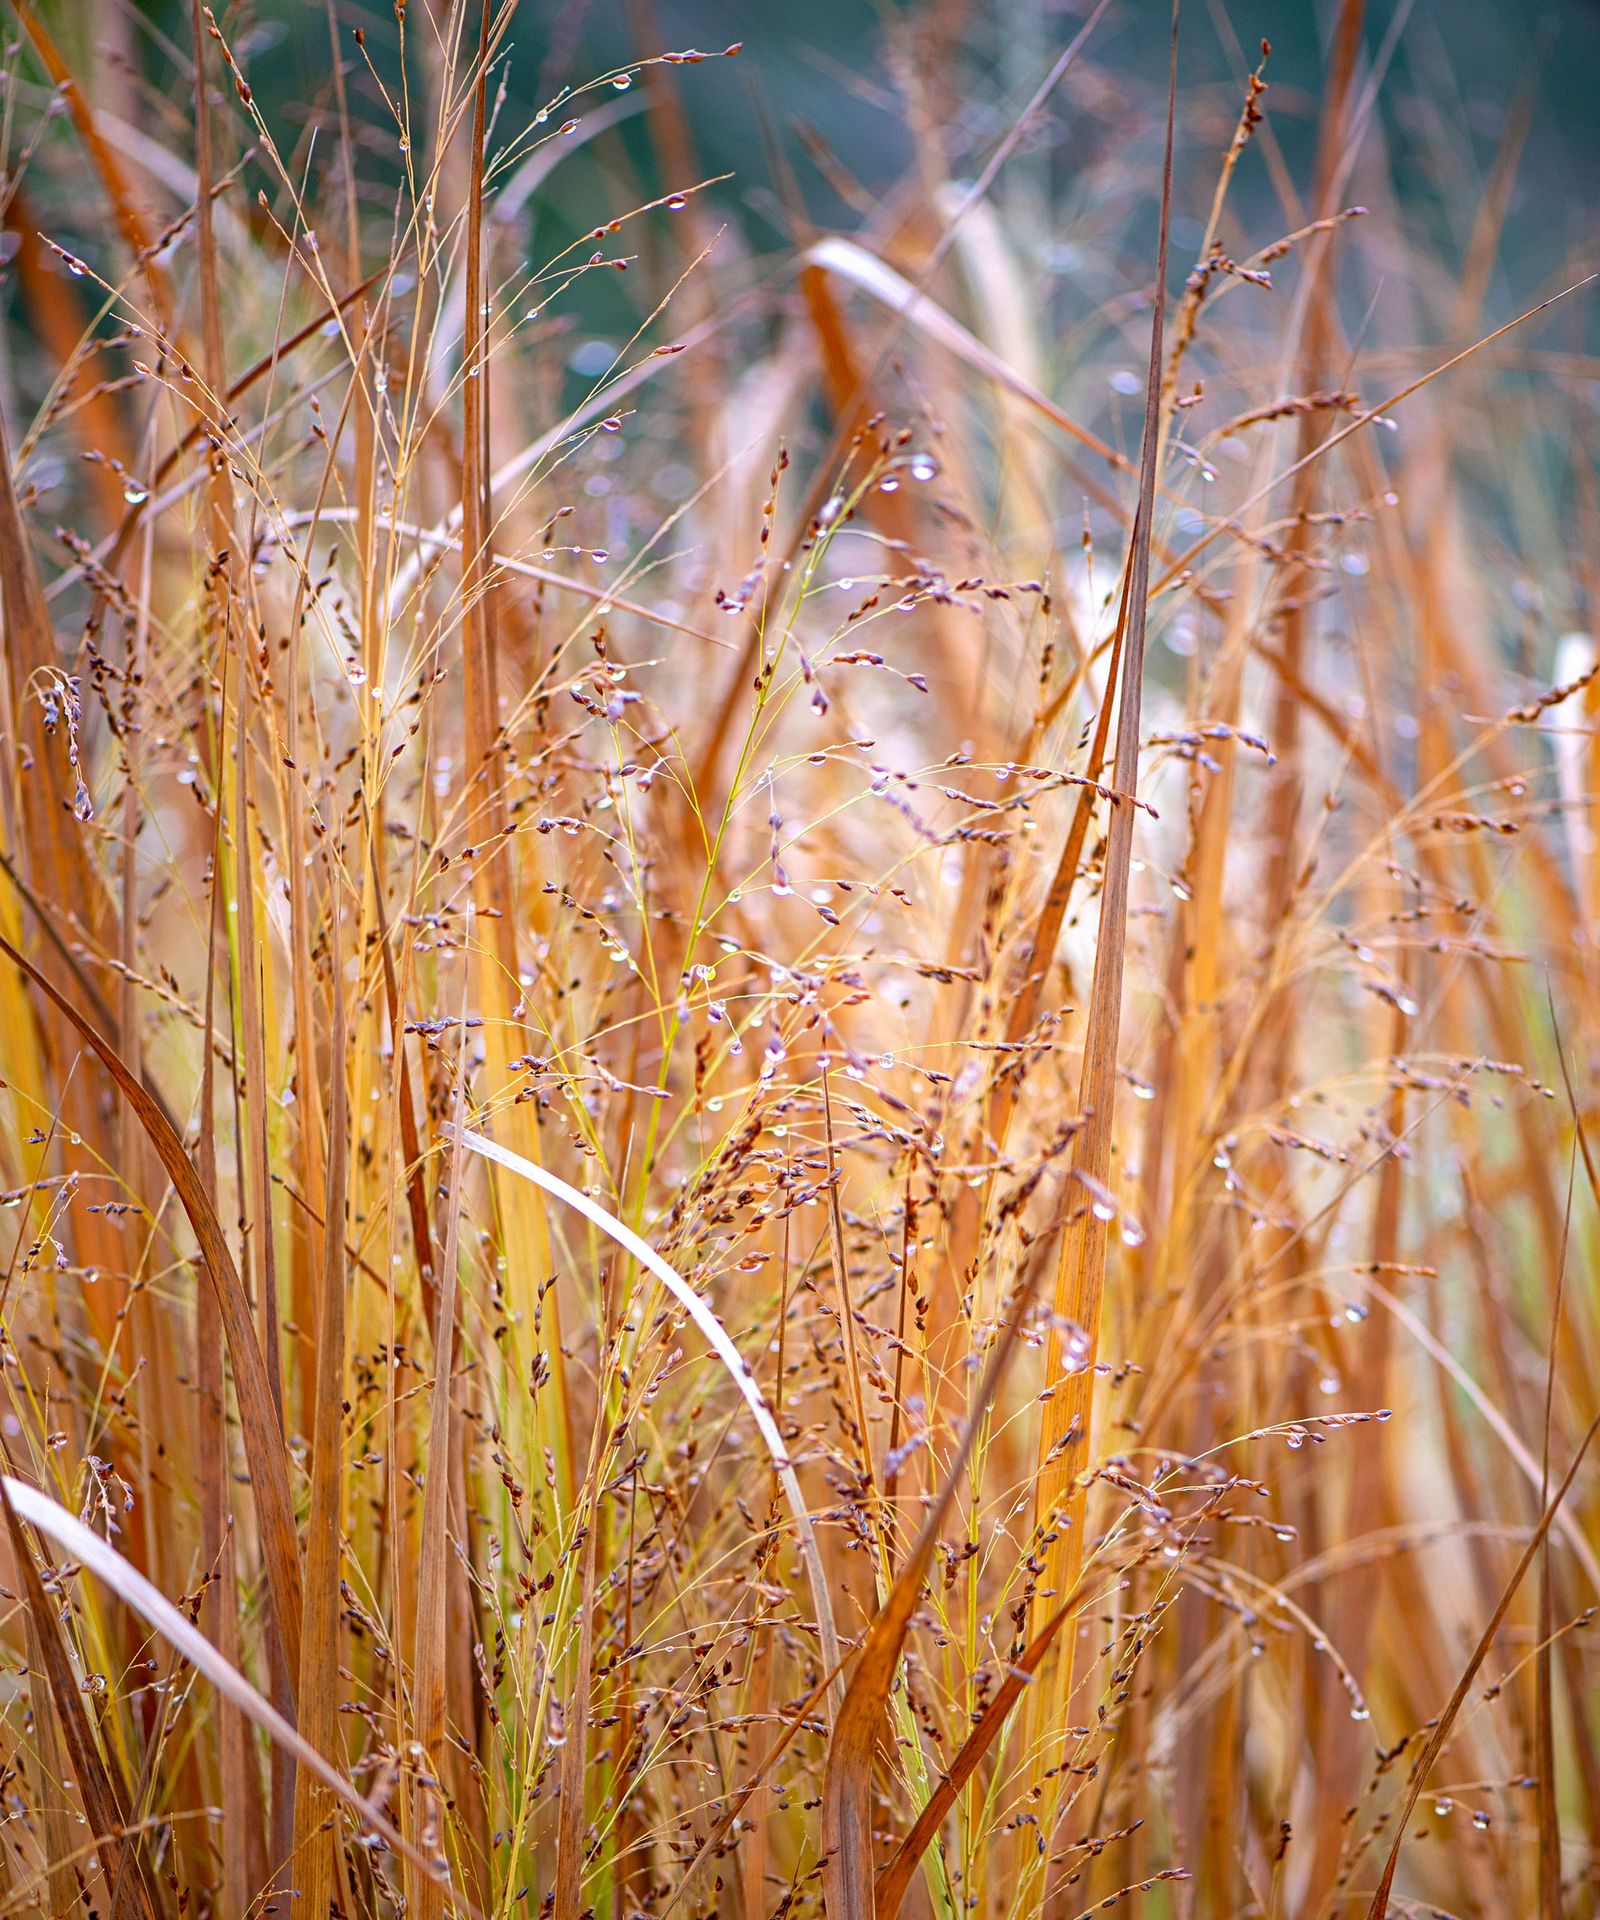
x: 795, y: 1017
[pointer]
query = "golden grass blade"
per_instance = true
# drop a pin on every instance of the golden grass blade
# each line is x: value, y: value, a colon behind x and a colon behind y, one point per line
x: 410, y: 1139
x: 263, y: 1441
x: 317, y: 1847
x: 574, y: 1755
x: 1065, y: 1433
x: 55, y: 853
x: 238, y: 1781
x: 841, y: 1281
x: 428, y: 1681
x: 495, y: 877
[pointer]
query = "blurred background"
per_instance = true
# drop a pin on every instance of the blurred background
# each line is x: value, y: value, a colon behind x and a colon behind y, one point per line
x: 816, y: 121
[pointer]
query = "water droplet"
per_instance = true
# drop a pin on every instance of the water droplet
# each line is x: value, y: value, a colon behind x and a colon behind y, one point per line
x: 676, y: 202
x: 134, y: 494
x: 1360, y: 1713
x: 1443, y: 1807
x: 1481, y: 1821
x: 924, y: 467
x: 1355, y: 1313
x: 622, y: 82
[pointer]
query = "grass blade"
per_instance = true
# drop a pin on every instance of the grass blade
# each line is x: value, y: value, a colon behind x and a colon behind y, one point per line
x: 263, y: 1441
x: 716, y: 1338
x: 135, y: 1592
x: 1065, y: 1433
x: 105, y: 1797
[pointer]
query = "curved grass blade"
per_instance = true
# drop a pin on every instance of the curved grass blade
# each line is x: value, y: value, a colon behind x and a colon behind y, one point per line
x: 135, y: 1591
x: 263, y: 1441
x: 716, y: 1337
x: 105, y: 1797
